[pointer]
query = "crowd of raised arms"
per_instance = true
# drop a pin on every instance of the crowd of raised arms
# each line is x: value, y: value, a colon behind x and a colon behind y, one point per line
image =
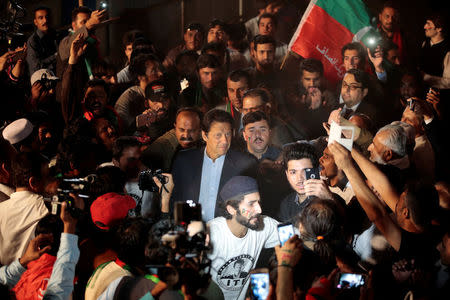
x: 209, y: 171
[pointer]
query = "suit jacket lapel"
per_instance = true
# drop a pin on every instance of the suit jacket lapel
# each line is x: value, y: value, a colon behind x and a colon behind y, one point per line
x: 197, y: 166
x: 227, y: 170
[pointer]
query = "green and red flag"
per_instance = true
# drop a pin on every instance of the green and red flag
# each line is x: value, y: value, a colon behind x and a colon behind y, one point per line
x: 326, y: 26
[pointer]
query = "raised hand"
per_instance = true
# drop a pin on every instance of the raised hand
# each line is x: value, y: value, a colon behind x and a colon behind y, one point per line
x: 342, y: 157
x: 289, y: 255
x: 97, y: 17
x: 377, y: 59
x: 8, y: 56
x: 77, y: 48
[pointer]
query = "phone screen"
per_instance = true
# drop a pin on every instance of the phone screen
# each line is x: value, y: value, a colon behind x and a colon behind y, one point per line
x: 143, y: 120
x: 285, y: 232
x: 259, y: 286
x: 350, y: 280
x: 312, y: 173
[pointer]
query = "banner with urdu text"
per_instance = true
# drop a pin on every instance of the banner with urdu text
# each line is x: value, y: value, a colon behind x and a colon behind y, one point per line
x: 326, y: 26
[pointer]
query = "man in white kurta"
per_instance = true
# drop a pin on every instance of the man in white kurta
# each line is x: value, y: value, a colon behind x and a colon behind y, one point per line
x: 20, y: 214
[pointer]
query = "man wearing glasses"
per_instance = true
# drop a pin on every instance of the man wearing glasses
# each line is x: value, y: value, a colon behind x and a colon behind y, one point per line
x: 354, y: 92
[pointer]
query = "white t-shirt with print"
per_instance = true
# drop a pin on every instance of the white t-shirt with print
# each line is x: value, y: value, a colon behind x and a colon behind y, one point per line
x: 232, y: 257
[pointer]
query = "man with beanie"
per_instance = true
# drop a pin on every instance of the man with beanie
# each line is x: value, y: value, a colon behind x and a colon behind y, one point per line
x: 238, y: 238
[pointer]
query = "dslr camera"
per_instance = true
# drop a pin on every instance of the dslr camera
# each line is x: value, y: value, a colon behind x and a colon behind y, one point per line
x: 146, y: 182
x: 47, y: 83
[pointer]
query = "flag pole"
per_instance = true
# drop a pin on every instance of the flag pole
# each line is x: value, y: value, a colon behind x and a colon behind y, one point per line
x: 284, y: 60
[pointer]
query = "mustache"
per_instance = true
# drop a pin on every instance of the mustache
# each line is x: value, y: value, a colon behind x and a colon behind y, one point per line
x: 186, y: 139
x: 258, y: 139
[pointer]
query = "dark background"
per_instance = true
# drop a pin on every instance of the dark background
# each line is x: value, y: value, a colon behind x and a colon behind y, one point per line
x: 163, y: 20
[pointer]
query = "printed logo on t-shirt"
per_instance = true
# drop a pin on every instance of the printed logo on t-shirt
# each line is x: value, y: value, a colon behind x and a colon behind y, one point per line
x: 234, y: 273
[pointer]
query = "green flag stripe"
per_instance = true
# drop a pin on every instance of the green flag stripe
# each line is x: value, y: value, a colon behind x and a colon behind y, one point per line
x: 350, y: 13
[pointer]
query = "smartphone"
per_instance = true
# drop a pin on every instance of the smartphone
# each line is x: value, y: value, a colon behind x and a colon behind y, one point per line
x: 285, y: 232
x: 350, y: 280
x: 312, y: 173
x: 145, y: 120
x: 102, y: 5
x: 434, y: 90
x: 259, y: 285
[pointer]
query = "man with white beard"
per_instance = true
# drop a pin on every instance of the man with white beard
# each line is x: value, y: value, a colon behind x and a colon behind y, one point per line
x: 389, y: 147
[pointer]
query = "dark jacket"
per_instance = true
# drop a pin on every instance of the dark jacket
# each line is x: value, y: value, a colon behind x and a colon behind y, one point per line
x: 187, y: 172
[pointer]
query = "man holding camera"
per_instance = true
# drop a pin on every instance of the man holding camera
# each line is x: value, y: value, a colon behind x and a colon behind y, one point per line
x: 238, y: 238
x: 132, y: 102
x: 159, y: 116
x: 126, y: 154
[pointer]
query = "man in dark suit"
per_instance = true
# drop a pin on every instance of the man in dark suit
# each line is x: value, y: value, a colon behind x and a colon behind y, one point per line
x: 199, y: 174
x: 355, y: 93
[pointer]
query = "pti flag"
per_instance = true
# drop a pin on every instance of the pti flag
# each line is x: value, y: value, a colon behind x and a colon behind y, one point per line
x: 326, y: 26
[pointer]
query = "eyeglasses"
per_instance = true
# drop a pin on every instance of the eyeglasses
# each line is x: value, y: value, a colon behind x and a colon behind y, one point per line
x: 351, y: 86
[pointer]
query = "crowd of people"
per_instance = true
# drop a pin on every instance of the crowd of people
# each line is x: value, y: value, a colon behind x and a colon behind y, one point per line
x: 168, y: 177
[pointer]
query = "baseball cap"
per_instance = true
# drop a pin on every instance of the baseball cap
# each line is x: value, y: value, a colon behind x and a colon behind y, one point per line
x: 109, y: 208
x: 17, y: 131
x: 39, y: 73
x: 156, y: 91
x: 238, y: 186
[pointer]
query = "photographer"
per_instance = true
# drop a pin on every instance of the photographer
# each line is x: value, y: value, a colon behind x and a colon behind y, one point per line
x: 147, y: 69
x: 159, y: 115
x: 127, y: 156
x: 61, y: 283
x: 43, y: 95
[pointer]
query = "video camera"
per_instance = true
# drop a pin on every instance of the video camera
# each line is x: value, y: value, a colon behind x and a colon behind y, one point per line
x: 184, y: 239
x: 78, y: 186
x: 188, y: 234
x: 10, y: 29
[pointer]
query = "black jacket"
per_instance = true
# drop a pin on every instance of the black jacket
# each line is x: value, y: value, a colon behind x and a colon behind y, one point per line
x: 187, y: 172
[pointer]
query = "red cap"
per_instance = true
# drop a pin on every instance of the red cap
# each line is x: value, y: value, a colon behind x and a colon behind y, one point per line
x: 110, y: 208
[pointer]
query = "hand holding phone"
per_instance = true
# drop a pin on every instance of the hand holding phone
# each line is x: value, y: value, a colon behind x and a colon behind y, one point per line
x: 312, y: 173
x: 145, y: 120
x: 285, y: 232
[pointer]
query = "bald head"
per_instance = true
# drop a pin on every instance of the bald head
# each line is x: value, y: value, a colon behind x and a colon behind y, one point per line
x: 187, y: 128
